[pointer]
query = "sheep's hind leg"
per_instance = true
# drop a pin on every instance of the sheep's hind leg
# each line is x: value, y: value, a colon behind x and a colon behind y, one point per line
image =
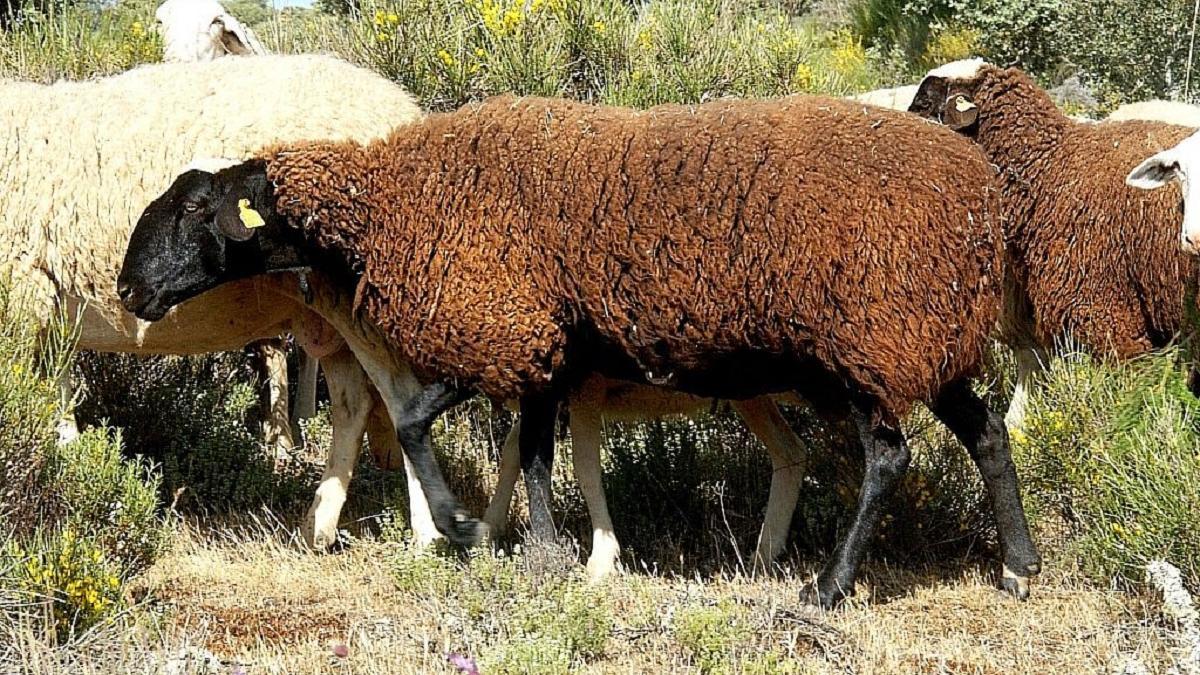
x: 538, y: 413
x: 887, y: 458
x: 544, y: 553
x: 587, y: 427
x: 412, y: 428
x: 763, y: 419
x: 496, y: 516
x: 983, y: 433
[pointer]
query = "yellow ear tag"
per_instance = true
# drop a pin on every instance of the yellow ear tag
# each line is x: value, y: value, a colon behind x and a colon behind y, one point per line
x: 961, y: 104
x: 249, y: 216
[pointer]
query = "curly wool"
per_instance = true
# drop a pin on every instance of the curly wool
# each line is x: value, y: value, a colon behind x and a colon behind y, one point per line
x: 80, y: 160
x: 731, y: 248
x: 1090, y: 258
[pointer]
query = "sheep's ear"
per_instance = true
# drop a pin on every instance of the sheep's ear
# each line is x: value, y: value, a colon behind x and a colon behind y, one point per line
x: 235, y: 38
x: 959, y: 112
x: 1154, y: 172
x: 237, y: 220
x: 929, y: 97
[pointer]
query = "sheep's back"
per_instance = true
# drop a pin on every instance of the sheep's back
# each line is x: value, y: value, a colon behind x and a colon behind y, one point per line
x: 688, y: 239
x: 81, y: 160
x: 1101, y: 261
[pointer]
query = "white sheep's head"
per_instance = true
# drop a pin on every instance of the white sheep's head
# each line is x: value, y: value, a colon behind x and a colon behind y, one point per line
x: 946, y: 94
x: 1173, y: 164
x: 201, y: 30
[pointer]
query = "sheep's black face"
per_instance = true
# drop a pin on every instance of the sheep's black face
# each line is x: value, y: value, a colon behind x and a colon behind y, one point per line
x: 948, y: 101
x: 205, y: 230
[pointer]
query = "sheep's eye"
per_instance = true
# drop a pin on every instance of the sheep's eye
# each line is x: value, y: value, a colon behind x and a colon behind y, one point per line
x: 190, y: 207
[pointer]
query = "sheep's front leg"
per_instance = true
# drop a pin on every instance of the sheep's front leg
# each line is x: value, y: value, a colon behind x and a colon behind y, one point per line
x: 986, y: 439
x: 350, y: 404
x: 277, y: 426
x: 538, y: 412
x: 763, y: 419
x: 413, y: 420
x: 887, y: 458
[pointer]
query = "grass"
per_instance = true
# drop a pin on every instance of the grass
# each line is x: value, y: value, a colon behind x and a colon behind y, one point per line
x: 250, y: 597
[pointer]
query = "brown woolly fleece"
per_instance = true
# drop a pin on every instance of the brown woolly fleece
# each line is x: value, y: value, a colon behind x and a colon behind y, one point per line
x: 725, y: 249
x: 1089, y: 257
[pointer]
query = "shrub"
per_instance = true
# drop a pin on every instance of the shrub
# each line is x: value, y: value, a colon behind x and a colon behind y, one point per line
x: 111, y: 500
x: 73, y: 41
x: 542, y: 624
x: 199, y: 418
x: 69, y: 578
x: 711, y: 635
x: 1111, y: 456
x: 75, y: 519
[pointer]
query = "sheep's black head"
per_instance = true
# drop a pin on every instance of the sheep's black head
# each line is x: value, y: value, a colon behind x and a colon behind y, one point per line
x: 947, y: 95
x: 205, y: 230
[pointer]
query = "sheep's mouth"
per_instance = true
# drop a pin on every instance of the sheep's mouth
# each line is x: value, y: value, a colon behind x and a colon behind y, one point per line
x: 145, y: 304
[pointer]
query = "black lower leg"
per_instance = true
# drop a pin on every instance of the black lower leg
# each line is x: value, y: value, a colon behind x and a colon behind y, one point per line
x: 538, y: 413
x: 887, y: 456
x: 412, y: 430
x: 986, y: 438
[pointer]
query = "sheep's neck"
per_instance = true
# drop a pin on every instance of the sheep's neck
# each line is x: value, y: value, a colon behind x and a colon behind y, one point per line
x: 321, y: 189
x: 1020, y: 129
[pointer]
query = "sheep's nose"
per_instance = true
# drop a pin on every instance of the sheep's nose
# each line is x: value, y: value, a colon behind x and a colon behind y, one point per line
x: 124, y: 290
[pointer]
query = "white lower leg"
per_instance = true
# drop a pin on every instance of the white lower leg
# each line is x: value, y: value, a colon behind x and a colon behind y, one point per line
x: 1030, y: 364
x: 350, y: 404
x: 424, y: 531
x: 763, y: 419
x: 277, y: 427
x: 67, y: 428
x: 586, y: 428
x: 496, y: 516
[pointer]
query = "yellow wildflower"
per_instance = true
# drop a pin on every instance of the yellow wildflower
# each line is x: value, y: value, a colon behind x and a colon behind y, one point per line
x: 802, y: 78
x: 599, y: 27
x: 446, y: 58
x: 393, y: 18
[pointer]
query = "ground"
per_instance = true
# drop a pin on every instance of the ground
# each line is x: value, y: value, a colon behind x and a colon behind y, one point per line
x: 250, y: 596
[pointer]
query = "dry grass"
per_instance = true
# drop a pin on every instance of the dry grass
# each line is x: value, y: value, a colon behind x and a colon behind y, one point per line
x: 251, y: 597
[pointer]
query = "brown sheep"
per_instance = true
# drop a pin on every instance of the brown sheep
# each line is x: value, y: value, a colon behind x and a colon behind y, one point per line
x: 1087, y: 257
x: 732, y: 249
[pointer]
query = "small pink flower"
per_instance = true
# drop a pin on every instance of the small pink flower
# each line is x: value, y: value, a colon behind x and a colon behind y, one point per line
x: 464, y: 664
x: 341, y: 651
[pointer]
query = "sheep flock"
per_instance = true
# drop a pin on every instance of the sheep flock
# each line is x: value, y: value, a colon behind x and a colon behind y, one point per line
x: 591, y: 263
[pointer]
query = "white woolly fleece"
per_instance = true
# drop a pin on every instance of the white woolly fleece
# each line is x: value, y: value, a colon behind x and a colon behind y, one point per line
x: 958, y: 70
x: 1170, y: 112
x: 81, y: 160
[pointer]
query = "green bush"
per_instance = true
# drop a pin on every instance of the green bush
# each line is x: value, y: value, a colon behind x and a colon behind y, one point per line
x: 540, y: 624
x: 75, y: 519
x: 1110, y: 459
x: 73, y: 41
x: 199, y: 418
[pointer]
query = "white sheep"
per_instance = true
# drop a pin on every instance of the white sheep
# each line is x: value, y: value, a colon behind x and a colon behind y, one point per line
x: 896, y: 98
x: 201, y: 30
x: 1170, y: 112
x: 79, y: 159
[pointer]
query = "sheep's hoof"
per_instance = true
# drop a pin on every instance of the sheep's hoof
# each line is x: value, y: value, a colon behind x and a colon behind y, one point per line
x: 1015, y: 584
x: 465, y: 531
x: 827, y: 599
